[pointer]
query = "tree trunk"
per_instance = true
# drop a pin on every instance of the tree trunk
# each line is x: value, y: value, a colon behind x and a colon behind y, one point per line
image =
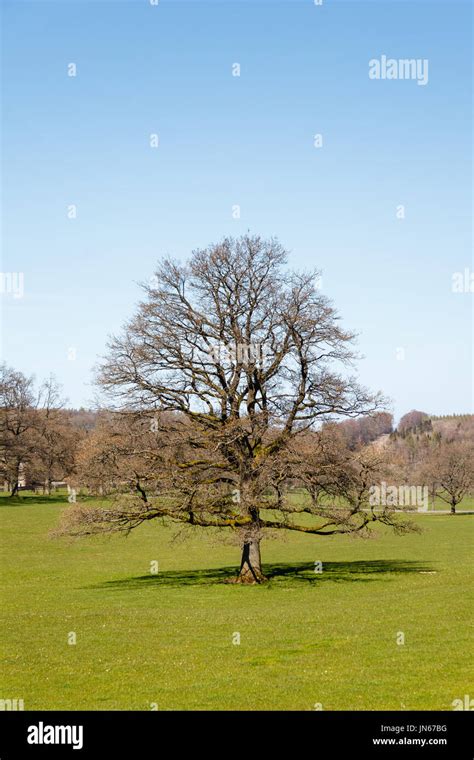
x: 251, y: 566
x: 453, y: 508
x: 16, y: 482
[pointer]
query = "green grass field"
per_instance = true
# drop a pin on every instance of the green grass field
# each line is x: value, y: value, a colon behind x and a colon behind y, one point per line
x: 167, y: 639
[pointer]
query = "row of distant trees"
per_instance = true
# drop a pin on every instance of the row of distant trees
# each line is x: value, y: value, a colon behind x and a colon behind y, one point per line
x: 43, y: 442
x: 142, y: 450
x: 227, y: 391
x: 39, y: 442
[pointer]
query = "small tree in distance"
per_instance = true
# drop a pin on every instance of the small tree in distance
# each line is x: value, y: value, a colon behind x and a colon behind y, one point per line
x: 450, y: 469
x: 229, y: 360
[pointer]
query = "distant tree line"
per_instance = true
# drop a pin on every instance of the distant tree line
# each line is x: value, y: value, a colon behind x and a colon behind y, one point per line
x: 105, y: 452
x: 39, y: 440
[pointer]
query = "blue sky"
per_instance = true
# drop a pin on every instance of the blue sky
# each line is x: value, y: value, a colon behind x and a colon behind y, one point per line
x: 247, y: 141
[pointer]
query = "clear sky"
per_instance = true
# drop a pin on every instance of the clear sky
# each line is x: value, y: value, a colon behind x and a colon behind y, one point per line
x: 245, y: 140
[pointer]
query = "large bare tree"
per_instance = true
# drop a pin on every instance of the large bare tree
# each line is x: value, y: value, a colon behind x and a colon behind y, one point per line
x: 229, y: 358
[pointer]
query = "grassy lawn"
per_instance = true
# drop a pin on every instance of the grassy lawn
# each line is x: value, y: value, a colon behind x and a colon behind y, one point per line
x: 306, y: 638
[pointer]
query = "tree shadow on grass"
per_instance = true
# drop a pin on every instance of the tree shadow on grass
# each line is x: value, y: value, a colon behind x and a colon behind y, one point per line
x: 359, y: 571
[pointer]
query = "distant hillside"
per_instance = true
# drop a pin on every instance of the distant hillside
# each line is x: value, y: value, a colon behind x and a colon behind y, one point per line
x: 449, y: 426
x: 85, y: 419
x: 454, y: 426
x: 373, y: 428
